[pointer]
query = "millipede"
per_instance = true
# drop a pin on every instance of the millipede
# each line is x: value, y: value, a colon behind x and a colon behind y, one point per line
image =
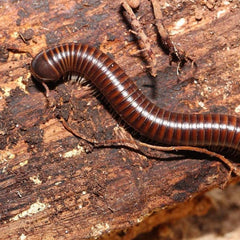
x: 76, y: 61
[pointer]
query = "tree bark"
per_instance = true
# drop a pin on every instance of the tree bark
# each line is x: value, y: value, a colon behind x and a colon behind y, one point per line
x: 54, y: 185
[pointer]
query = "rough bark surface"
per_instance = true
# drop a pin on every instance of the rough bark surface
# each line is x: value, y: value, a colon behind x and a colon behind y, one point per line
x: 52, y: 185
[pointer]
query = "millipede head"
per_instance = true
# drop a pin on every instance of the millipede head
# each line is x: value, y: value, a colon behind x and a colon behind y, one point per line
x: 42, y: 68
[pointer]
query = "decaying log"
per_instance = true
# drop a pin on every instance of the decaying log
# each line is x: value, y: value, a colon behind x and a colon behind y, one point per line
x: 56, y: 186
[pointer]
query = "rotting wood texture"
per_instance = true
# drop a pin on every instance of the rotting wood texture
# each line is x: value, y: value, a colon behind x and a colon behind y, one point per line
x: 52, y: 184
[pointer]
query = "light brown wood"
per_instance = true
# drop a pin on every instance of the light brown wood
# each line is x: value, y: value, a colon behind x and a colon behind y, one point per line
x: 55, y: 186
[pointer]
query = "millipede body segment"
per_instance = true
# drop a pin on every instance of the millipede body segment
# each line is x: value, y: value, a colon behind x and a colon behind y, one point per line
x: 82, y: 61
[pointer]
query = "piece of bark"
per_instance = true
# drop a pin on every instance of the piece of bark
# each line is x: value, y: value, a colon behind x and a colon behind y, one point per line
x: 144, y: 41
x: 50, y: 187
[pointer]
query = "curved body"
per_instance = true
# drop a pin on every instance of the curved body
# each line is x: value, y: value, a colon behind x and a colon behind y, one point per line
x: 131, y: 104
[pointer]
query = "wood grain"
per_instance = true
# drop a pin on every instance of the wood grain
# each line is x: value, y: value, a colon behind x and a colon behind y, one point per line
x: 53, y: 185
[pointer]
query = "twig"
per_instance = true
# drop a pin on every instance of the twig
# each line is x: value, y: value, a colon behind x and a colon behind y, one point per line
x: 133, y: 3
x: 125, y: 143
x: 175, y: 54
x: 144, y: 40
x: 19, y: 50
x: 23, y: 38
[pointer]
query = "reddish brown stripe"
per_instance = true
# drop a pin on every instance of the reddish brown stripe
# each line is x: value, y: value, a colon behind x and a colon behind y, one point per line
x: 129, y: 102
